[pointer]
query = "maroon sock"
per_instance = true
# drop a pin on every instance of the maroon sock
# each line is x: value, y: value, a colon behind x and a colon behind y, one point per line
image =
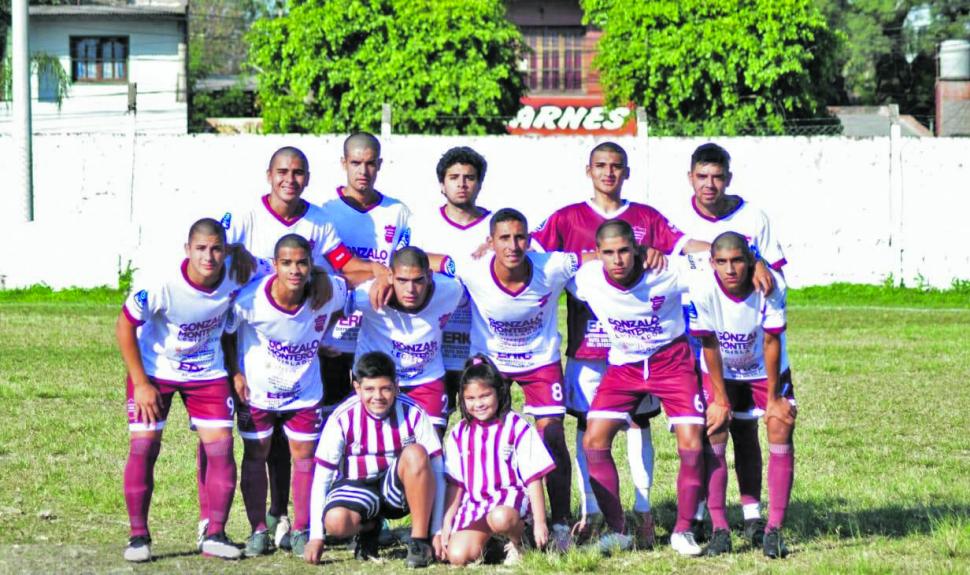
x: 781, y: 474
x: 253, y: 487
x: 278, y: 465
x: 200, y: 472
x: 716, y: 474
x: 606, y: 486
x: 220, y: 483
x: 689, y: 486
x: 140, y: 481
x: 559, y: 480
x: 302, y: 480
x: 747, y: 460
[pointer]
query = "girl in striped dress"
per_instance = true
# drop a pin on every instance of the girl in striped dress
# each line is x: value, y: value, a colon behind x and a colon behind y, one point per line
x: 494, y: 462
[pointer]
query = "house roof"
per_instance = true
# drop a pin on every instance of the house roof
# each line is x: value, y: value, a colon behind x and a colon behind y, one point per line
x: 110, y: 11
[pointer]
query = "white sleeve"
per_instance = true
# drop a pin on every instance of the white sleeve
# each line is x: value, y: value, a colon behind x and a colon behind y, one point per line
x: 237, y: 230
x: 360, y: 298
x: 700, y: 312
x: 403, y: 228
x: 531, y: 455
x: 453, y: 463
x: 142, y: 303
x: 566, y: 264
x: 425, y: 435
x: 773, y: 314
x: 330, y: 449
x: 768, y: 247
x: 323, y: 478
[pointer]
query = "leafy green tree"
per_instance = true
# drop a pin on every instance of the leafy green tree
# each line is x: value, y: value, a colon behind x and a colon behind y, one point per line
x: 445, y: 66
x: 715, y: 66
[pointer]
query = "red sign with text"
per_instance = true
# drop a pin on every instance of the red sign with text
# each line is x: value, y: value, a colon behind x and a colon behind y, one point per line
x: 561, y: 116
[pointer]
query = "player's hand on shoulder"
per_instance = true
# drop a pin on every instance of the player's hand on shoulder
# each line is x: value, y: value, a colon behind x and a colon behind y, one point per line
x: 381, y: 291
x: 782, y: 409
x: 313, y: 551
x: 241, y: 387
x: 762, y: 279
x: 654, y: 260
x: 718, y: 416
x: 242, y: 263
x: 148, y: 402
x: 321, y: 290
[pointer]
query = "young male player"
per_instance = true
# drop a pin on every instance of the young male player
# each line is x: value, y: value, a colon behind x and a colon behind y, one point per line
x: 409, y: 328
x: 573, y: 229
x: 641, y: 314
x: 169, y: 333
x: 277, y: 380
x: 378, y: 457
x: 459, y: 228
x: 712, y: 211
x: 743, y: 337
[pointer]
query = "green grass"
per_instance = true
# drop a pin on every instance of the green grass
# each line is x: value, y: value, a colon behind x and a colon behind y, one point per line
x: 881, y: 478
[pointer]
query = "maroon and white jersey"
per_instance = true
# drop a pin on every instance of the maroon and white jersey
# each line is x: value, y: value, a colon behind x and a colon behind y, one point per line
x: 411, y: 338
x: 260, y: 228
x: 519, y: 330
x: 278, y: 347
x: 360, y: 446
x: 494, y: 462
x: 739, y: 324
x: 180, y: 324
x: 573, y: 229
x: 435, y: 233
x: 639, y: 320
x: 745, y: 219
x: 372, y: 235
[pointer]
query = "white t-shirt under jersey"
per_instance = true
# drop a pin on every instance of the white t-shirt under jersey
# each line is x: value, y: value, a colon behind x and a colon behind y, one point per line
x: 278, y: 348
x: 371, y: 235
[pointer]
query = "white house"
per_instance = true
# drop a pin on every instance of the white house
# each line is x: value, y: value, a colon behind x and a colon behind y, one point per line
x: 109, y: 50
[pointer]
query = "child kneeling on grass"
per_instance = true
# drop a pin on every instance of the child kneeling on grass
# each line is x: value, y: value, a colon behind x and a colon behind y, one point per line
x: 494, y: 461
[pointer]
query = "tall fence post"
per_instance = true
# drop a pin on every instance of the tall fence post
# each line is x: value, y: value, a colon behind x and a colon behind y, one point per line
x: 22, y: 132
x: 643, y: 136
x: 896, y: 238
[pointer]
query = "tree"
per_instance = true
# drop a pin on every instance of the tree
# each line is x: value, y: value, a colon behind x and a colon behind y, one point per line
x: 715, y: 66
x: 445, y: 66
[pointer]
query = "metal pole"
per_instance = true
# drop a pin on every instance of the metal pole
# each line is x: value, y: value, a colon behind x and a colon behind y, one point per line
x: 21, y: 107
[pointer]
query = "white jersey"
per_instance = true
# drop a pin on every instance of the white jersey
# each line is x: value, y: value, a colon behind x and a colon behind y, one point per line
x: 260, y: 228
x: 371, y: 235
x: 641, y: 319
x: 180, y: 324
x: 411, y: 338
x: 494, y: 462
x: 739, y: 324
x: 278, y: 348
x: 518, y: 331
x: 435, y: 233
x: 360, y: 446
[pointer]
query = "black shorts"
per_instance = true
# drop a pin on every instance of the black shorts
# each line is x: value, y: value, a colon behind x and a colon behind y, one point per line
x: 382, y: 496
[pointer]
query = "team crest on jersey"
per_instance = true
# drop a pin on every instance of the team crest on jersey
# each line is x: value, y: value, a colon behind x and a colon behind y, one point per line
x: 443, y: 320
x: 141, y: 298
x: 639, y: 233
x: 320, y: 323
x: 544, y: 299
x: 226, y: 220
x: 389, y: 233
x: 657, y: 301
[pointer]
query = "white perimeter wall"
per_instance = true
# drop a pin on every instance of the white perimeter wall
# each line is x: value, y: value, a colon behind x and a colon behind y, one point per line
x: 853, y: 210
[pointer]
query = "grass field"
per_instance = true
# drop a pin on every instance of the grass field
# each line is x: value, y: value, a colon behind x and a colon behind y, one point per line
x: 882, y: 473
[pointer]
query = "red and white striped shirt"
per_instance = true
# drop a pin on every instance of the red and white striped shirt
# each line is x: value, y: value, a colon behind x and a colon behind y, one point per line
x: 361, y: 446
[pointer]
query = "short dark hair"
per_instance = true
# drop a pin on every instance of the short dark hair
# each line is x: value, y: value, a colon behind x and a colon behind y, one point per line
x: 412, y: 256
x: 208, y: 227
x: 733, y: 241
x: 292, y: 241
x: 374, y: 364
x: 506, y: 215
x: 362, y: 140
x: 609, y: 147
x: 613, y: 229
x: 480, y: 369
x: 287, y: 151
x: 711, y: 153
x: 461, y: 155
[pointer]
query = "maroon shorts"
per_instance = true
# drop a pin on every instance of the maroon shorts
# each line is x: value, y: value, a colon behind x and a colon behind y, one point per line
x: 670, y: 377
x: 543, y: 389
x: 298, y: 424
x: 208, y: 402
x: 749, y: 399
x: 432, y: 398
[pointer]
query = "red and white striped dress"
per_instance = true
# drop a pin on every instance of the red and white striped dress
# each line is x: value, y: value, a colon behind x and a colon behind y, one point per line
x: 494, y: 462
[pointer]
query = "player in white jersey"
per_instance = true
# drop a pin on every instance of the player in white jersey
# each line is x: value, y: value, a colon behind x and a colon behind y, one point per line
x: 378, y: 457
x: 515, y: 299
x: 712, y: 211
x: 742, y: 331
x: 494, y: 461
x: 458, y: 228
x: 169, y: 333
x: 277, y: 380
x: 641, y: 313
x: 409, y: 328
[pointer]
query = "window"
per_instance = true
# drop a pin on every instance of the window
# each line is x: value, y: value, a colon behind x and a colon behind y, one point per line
x: 46, y: 85
x: 99, y: 59
x: 555, y: 60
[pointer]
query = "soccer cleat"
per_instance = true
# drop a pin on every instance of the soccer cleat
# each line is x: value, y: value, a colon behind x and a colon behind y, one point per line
x: 218, y: 545
x: 560, y: 538
x: 646, y: 533
x: 512, y: 554
x: 754, y: 531
x: 257, y: 544
x: 774, y: 547
x: 366, y: 546
x: 200, y: 533
x: 611, y: 543
x: 720, y: 543
x: 420, y: 554
x: 281, y: 536
x: 298, y: 541
x: 683, y: 542
x: 139, y: 549
x: 697, y: 528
